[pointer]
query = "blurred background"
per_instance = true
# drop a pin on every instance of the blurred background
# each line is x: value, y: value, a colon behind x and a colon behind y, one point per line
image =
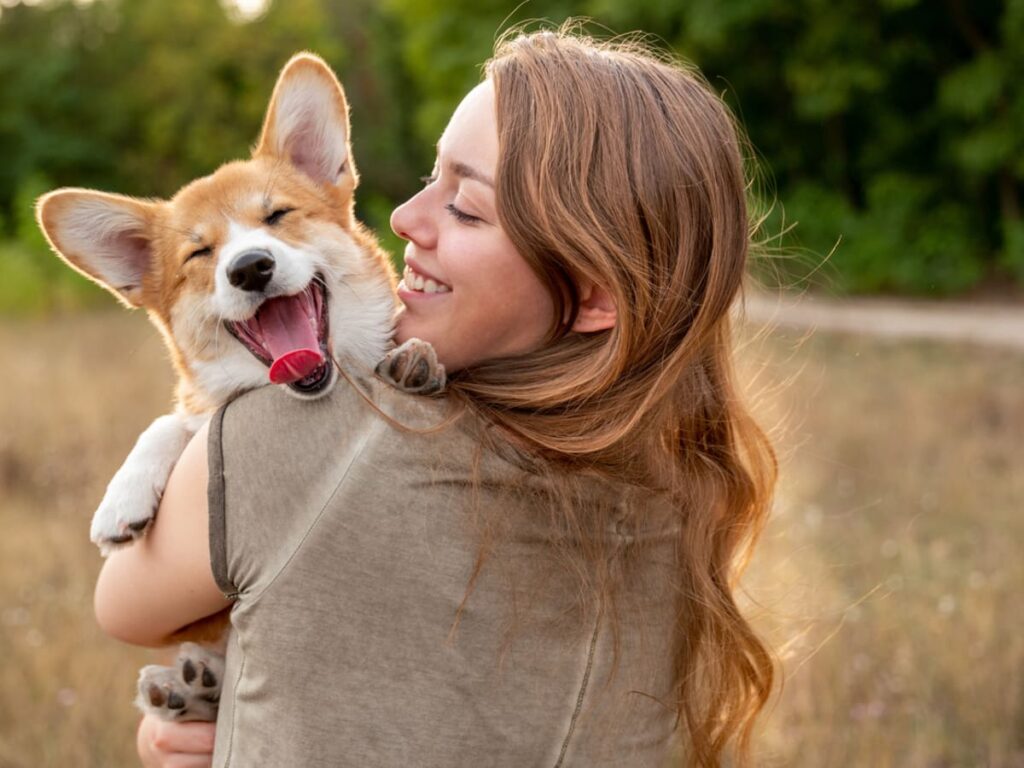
x: 889, y: 157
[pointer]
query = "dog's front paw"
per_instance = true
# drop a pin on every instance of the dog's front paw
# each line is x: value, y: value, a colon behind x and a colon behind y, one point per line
x: 413, y: 368
x: 126, y: 510
x: 189, y: 690
x: 134, y: 493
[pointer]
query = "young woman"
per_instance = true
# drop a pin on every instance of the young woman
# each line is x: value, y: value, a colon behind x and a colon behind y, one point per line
x: 547, y: 579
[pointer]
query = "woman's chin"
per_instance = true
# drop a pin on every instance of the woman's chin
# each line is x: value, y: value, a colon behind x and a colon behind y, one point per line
x: 407, y: 327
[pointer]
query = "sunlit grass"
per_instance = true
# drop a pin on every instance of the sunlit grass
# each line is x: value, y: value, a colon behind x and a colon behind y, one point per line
x: 890, y: 578
x: 75, y: 394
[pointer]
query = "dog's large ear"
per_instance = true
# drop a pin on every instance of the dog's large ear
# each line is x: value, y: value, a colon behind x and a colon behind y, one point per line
x: 105, y: 237
x: 307, y: 122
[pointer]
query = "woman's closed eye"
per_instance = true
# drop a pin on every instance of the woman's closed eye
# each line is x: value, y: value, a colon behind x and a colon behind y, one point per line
x: 459, y: 214
x: 462, y: 216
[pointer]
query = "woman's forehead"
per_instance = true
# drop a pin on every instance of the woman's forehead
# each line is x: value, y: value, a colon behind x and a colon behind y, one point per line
x: 471, y: 137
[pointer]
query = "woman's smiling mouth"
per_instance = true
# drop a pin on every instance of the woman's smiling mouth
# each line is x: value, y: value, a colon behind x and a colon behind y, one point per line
x: 415, y: 281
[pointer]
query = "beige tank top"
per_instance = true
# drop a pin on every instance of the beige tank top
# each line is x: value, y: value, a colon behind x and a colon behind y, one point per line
x: 347, y: 545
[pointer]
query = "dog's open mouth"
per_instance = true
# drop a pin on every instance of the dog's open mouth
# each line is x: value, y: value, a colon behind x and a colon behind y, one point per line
x: 289, y: 335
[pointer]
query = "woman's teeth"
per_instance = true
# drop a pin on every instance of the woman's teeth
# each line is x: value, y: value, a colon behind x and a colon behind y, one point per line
x: 416, y: 282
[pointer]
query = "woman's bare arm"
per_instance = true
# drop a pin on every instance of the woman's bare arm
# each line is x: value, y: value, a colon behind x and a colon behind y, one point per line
x: 163, y: 582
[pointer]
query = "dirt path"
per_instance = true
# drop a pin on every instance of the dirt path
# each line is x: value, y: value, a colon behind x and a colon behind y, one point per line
x: 987, y: 324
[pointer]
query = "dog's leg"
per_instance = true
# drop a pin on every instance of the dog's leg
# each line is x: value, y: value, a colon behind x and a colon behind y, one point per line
x: 188, y: 690
x: 413, y: 368
x: 134, y: 493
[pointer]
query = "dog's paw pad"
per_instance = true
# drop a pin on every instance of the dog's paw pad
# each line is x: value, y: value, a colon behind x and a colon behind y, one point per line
x: 128, y: 533
x: 202, y: 670
x: 161, y: 696
x: 209, y: 681
x: 116, y: 524
x: 189, y: 690
x: 155, y: 694
x: 159, y: 688
x: 198, y: 675
x: 413, y: 367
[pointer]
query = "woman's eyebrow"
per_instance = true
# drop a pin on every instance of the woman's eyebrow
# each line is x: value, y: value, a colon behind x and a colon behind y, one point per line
x: 468, y: 172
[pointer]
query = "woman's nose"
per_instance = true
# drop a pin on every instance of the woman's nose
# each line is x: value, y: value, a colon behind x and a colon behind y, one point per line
x: 410, y: 222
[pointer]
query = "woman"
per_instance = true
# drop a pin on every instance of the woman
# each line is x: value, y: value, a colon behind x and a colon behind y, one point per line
x: 547, y: 577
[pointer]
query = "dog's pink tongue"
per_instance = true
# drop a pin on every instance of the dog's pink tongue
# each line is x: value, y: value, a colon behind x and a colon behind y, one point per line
x: 291, y: 337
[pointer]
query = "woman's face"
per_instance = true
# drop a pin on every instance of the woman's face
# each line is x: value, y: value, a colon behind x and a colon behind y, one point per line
x: 465, y: 288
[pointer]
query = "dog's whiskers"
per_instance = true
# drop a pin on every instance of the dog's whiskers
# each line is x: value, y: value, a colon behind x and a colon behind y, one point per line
x: 216, y: 340
x: 195, y: 318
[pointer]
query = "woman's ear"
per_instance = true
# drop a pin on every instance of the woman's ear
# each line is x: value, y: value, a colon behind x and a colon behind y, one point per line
x: 597, y: 309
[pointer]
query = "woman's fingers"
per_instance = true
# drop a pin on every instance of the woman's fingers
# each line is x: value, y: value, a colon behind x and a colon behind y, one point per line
x: 190, y: 738
x: 188, y: 761
x: 174, y: 745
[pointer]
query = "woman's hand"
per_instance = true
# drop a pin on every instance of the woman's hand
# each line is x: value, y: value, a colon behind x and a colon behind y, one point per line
x: 162, y: 744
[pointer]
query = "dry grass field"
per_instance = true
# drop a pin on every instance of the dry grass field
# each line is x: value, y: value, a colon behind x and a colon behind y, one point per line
x: 890, y: 578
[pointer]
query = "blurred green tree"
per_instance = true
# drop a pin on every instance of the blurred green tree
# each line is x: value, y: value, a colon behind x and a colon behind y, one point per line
x: 888, y: 126
x: 885, y: 126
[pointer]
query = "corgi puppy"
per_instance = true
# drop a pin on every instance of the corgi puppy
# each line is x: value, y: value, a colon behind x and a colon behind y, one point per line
x: 258, y: 273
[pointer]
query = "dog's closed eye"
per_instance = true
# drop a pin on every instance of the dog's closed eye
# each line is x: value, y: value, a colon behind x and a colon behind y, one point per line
x: 276, y: 216
x: 205, y: 251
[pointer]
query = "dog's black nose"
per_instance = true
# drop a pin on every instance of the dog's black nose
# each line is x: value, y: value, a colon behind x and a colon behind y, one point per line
x: 252, y: 270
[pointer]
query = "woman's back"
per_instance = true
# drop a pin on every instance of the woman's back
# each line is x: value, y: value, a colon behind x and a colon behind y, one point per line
x: 350, y: 545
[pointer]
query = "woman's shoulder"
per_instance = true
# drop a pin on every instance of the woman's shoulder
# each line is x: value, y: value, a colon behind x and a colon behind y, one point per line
x: 354, y: 395
x: 437, y: 429
x: 360, y: 411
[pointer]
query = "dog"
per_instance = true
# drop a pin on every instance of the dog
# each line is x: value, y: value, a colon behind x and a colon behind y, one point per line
x: 256, y: 274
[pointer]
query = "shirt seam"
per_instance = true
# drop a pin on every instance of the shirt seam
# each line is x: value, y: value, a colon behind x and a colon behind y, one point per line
x: 234, y: 708
x: 216, y: 503
x: 581, y: 695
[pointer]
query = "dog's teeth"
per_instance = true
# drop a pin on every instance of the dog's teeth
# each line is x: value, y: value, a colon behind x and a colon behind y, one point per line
x: 418, y: 283
x: 430, y: 286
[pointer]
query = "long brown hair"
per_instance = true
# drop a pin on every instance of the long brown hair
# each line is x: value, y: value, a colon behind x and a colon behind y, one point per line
x: 622, y: 167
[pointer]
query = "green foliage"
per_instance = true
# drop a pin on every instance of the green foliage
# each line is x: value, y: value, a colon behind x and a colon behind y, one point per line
x: 1011, y: 258
x: 376, y: 214
x: 33, y: 280
x: 972, y: 90
x: 444, y: 51
x: 23, y: 284
x: 889, y: 126
x: 906, y: 240
x: 34, y: 283
x: 26, y: 231
x: 903, y: 216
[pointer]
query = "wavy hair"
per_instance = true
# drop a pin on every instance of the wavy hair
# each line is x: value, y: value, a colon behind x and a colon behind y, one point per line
x: 622, y: 167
